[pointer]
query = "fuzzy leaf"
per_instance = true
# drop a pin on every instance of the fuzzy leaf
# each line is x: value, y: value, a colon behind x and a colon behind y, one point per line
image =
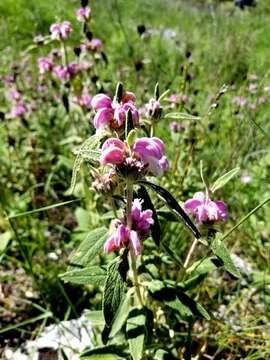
x: 220, y: 250
x: 108, y: 352
x: 181, y: 116
x: 90, y: 275
x: 136, y: 333
x: 114, y: 288
x: 121, y: 316
x: 91, y: 246
x: 220, y: 182
x: 86, y: 148
x: 174, y: 206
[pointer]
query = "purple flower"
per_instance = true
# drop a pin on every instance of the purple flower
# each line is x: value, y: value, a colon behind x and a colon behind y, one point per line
x: 19, y: 110
x: 61, y: 31
x: 61, y: 72
x: 141, y: 220
x: 174, y: 99
x: 83, y: 14
x: 252, y: 88
x: 141, y: 223
x: 15, y: 94
x: 45, y: 65
x: 153, y: 108
x: 113, y: 152
x: 176, y: 128
x: 205, y: 210
x: 240, y: 101
x: 95, y: 44
x: 151, y: 152
x: 111, y: 114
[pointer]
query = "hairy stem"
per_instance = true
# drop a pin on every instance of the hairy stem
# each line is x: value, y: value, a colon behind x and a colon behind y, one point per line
x: 129, y: 195
x: 191, y: 250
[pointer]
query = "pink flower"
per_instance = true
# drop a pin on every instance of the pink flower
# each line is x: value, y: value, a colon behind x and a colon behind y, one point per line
x: 66, y: 73
x: 61, y: 72
x: 141, y: 223
x: 83, y: 14
x: 19, y: 110
x: 15, y: 94
x: 61, y: 31
x: 153, y: 108
x: 113, y: 152
x: 240, y: 101
x: 176, y: 128
x: 175, y: 99
x: 252, y: 88
x: 112, y: 114
x: 151, y: 152
x: 95, y: 44
x: 45, y: 65
x: 141, y: 220
x: 205, y: 210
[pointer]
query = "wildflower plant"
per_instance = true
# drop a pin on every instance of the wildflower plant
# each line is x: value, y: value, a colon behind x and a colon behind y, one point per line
x: 140, y: 307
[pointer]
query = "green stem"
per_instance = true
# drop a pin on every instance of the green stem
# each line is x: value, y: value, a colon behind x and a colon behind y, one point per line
x: 129, y: 195
x: 245, y: 218
x: 191, y: 250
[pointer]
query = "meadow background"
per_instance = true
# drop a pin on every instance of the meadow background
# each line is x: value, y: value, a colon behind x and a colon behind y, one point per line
x: 192, y: 48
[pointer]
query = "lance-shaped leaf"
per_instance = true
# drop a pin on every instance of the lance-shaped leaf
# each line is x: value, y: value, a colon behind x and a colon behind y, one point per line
x: 108, y: 352
x: 219, y: 249
x: 136, y: 332
x: 114, y: 288
x: 174, y: 206
x: 181, y: 116
x: 147, y: 204
x: 220, y: 182
x: 91, y: 246
x: 90, y: 275
x: 89, y: 145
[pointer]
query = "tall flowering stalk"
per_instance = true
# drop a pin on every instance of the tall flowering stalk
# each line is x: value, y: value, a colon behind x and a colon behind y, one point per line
x: 123, y: 159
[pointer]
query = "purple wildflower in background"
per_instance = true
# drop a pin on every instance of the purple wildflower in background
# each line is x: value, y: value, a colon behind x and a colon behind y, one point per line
x: 45, y: 65
x: 240, y: 101
x: 205, y: 210
x: 19, y: 110
x: 83, y: 14
x: 61, y: 31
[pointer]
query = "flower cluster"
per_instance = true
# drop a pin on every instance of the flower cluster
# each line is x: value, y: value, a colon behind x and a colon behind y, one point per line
x: 112, y: 113
x: 83, y: 14
x: 147, y: 153
x: 61, y: 31
x: 205, y: 210
x: 140, y: 229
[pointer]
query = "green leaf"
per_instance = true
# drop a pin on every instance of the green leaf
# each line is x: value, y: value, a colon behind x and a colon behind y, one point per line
x: 220, y: 250
x: 181, y: 116
x: 182, y: 309
x: 90, y: 275
x: 91, y: 246
x: 96, y: 317
x: 114, y: 288
x: 108, y: 352
x: 162, y: 355
x: 121, y: 316
x: 174, y: 206
x: 196, y: 308
x: 4, y: 240
x: 136, y: 333
x: 86, y: 151
x: 220, y: 182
